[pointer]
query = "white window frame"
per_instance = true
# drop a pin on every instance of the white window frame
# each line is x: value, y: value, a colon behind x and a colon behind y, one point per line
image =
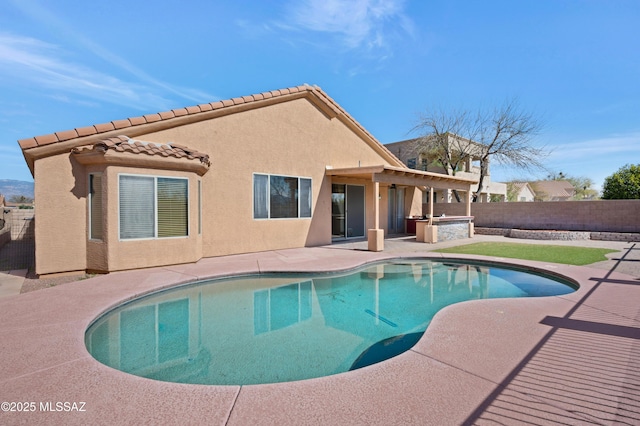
x: 155, y: 207
x: 269, y: 175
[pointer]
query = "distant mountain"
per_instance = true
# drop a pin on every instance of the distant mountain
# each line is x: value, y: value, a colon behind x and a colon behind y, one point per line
x: 9, y: 187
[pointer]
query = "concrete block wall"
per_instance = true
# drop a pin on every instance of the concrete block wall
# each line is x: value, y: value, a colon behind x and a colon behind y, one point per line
x: 592, y: 216
x: 5, y: 235
x: 22, y: 224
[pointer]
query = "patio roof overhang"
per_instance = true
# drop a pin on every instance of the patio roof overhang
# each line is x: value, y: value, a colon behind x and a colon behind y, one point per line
x: 401, y: 176
x: 404, y: 176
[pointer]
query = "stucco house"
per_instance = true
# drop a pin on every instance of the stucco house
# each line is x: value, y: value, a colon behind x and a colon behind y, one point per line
x: 415, y: 154
x: 553, y: 190
x: 521, y: 191
x: 280, y: 169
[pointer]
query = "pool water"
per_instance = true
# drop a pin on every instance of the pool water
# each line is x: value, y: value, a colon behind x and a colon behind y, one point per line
x: 275, y: 328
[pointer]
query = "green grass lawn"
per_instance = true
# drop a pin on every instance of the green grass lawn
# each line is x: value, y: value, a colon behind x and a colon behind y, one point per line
x: 569, y: 255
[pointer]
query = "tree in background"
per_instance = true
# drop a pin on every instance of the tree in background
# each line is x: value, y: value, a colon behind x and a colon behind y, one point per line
x: 25, y: 202
x: 21, y: 199
x: 623, y: 184
x: 505, y: 134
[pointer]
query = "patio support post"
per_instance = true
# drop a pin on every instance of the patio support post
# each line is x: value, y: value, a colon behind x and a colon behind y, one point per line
x: 471, y: 226
x: 430, y: 203
x: 375, y: 236
x: 429, y: 232
x: 376, y: 205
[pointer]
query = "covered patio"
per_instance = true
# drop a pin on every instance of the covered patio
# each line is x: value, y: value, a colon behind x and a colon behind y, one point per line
x: 388, y: 175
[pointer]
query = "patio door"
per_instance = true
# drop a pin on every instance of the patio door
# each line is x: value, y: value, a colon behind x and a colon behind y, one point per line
x: 347, y: 211
x: 396, y: 210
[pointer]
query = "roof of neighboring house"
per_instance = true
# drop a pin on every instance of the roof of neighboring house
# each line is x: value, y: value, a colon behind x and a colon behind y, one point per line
x: 126, y: 144
x: 554, y: 188
x: 416, y: 145
x: 518, y: 187
x: 521, y: 185
x: 64, y: 141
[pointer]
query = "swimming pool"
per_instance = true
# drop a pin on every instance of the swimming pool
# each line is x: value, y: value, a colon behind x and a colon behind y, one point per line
x: 282, y: 327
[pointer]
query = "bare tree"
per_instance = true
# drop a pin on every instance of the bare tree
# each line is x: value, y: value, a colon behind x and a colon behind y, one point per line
x: 504, y: 134
x: 440, y: 140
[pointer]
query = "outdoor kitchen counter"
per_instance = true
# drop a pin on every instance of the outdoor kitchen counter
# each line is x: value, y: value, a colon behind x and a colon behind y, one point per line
x: 444, y: 228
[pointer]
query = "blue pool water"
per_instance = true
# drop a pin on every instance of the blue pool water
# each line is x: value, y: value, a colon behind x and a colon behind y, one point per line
x: 277, y: 328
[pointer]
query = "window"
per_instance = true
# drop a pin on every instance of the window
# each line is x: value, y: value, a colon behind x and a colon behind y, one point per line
x: 95, y: 207
x: 278, y: 197
x: 153, y: 207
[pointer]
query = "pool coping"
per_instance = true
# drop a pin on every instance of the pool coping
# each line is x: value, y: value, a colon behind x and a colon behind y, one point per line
x: 468, y: 366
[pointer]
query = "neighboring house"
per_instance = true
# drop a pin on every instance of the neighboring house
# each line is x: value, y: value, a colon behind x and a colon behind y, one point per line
x: 553, y: 190
x: 281, y: 169
x: 415, y: 155
x: 520, y: 191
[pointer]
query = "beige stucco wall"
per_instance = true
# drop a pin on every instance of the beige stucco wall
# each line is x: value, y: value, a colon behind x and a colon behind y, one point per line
x: 60, y: 192
x: 293, y: 138
x: 61, y: 231
x: 113, y: 254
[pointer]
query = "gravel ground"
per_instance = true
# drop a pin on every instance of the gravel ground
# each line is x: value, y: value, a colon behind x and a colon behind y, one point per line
x: 32, y: 283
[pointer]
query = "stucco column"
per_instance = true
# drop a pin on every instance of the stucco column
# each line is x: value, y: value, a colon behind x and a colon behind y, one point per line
x: 430, y: 202
x: 375, y: 236
x: 469, y: 202
x: 376, y: 205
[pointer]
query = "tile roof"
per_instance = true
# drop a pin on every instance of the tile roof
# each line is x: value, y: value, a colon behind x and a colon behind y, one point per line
x: 126, y: 144
x: 55, y: 143
x: 555, y: 188
x: 129, y: 123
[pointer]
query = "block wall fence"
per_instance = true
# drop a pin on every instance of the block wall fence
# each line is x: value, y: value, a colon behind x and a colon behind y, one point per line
x: 22, y: 224
x: 622, y: 216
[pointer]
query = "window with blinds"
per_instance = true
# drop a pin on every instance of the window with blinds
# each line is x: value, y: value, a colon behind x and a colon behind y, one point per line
x: 279, y: 197
x: 95, y: 207
x: 153, y: 207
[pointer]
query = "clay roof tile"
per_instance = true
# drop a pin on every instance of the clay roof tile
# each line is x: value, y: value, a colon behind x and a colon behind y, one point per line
x: 166, y: 115
x: 136, y: 121
x: 104, y: 127
x: 86, y: 131
x: 152, y: 117
x: 121, y: 124
x: 46, y: 139
x: 180, y: 112
x: 28, y: 143
x: 193, y: 109
x: 66, y: 135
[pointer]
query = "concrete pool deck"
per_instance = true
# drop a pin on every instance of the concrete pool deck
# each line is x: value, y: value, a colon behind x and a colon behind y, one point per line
x: 570, y: 359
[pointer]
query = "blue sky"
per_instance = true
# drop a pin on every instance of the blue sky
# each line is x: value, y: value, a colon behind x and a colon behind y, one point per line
x: 573, y: 63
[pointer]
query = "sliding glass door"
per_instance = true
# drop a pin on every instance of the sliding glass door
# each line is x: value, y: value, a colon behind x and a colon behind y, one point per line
x: 347, y: 211
x: 396, y: 210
